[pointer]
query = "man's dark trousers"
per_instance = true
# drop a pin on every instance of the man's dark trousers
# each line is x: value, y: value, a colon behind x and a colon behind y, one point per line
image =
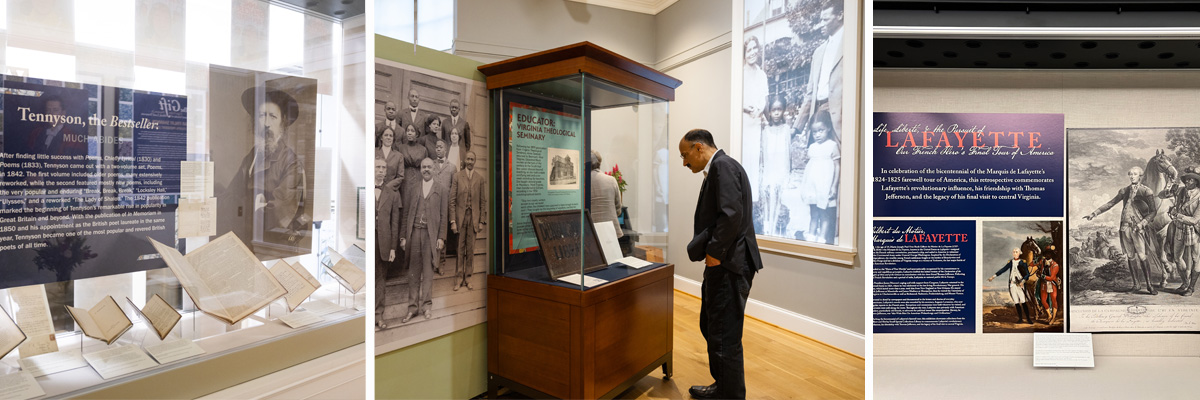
x: 722, y: 312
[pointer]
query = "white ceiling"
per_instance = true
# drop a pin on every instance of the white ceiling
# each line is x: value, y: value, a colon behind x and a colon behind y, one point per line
x: 651, y: 7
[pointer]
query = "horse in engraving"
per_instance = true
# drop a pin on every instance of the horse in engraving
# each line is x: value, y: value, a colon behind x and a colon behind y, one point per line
x: 1159, y: 175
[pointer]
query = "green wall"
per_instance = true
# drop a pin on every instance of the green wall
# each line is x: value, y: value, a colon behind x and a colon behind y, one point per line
x: 424, y: 57
x: 452, y: 366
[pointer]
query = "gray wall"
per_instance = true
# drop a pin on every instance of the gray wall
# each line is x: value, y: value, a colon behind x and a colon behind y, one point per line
x: 690, y: 40
x: 490, y: 30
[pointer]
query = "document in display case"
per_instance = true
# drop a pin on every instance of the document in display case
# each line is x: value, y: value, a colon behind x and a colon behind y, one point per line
x: 349, y: 275
x: 296, y: 280
x: 32, y: 314
x: 223, y: 278
x: 10, y: 334
x: 104, y: 322
x: 159, y: 315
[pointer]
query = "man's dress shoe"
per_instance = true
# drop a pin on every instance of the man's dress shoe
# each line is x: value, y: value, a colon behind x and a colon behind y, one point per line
x: 704, y: 392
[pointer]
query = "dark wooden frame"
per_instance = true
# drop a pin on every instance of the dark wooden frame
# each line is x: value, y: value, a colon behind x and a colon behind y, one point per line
x: 560, y: 267
x: 582, y: 57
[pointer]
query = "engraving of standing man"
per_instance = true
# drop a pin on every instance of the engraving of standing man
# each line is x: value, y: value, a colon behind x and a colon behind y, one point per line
x: 1133, y: 225
x: 1182, y: 235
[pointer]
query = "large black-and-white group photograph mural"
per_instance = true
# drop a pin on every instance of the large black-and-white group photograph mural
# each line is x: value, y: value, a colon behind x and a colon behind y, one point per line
x: 430, y: 196
x: 792, y: 138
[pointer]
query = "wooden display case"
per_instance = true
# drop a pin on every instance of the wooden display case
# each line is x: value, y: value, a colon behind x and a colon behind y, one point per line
x: 547, y: 338
x: 551, y: 341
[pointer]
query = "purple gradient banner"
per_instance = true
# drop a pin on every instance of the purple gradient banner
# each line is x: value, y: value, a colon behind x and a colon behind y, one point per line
x: 968, y: 165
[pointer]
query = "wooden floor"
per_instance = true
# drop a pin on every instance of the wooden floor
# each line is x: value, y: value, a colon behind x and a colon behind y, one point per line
x: 779, y: 364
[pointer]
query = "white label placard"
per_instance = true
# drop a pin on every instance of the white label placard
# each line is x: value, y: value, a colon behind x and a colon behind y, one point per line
x: 19, y: 386
x: 1063, y: 350
x: 588, y: 281
x: 50, y: 363
x: 174, y: 350
x: 301, y: 318
x: 322, y: 307
x: 119, y: 361
x: 634, y: 262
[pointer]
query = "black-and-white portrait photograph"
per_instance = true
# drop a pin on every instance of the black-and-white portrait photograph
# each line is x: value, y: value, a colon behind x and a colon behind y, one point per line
x: 1133, y: 206
x: 792, y: 67
x: 430, y: 200
x: 561, y: 167
x: 262, y: 142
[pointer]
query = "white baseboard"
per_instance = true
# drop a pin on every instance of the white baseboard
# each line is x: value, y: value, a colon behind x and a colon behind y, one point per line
x: 841, y: 338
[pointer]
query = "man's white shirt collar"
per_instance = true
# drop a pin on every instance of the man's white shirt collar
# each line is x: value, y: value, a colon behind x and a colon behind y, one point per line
x: 709, y: 163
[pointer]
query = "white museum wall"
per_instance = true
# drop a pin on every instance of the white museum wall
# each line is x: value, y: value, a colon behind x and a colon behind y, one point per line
x: 490, y: 31
x: 352, y: 167
x: 1089, y: 99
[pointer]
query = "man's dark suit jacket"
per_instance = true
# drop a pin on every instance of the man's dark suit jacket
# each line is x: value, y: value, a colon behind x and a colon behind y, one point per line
x: 724, y: 225
x: 387, y: 222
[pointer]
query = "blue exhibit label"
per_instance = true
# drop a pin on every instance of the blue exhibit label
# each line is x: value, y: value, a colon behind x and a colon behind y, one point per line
x: 968, y: 165
x: 924, y: 277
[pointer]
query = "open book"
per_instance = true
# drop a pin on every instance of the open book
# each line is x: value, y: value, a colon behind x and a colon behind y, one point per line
x: 158, y: 314
x: 104, y: 322
x: 296, y: 280
x: 348, y: 274
x: 10, y: 334
x: 223, y: 278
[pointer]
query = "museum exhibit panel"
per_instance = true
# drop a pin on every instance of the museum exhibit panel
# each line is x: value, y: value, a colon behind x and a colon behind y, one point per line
x: 573, y: 313
x: 174, y: 177
x: 1039, y: 157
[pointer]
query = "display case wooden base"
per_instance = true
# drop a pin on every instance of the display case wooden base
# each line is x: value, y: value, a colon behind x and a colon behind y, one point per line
x: 549, y: 341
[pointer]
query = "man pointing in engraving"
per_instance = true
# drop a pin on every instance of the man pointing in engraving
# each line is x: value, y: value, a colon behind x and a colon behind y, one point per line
x: 724, y: 239
x: 1133, y: 199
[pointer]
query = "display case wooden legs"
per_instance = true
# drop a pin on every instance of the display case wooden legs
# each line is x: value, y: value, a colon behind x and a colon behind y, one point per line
x: 546, y: 340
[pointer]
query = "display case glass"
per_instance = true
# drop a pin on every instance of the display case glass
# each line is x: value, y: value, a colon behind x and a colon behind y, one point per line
x: 582, y: 174
x: 164, y: 132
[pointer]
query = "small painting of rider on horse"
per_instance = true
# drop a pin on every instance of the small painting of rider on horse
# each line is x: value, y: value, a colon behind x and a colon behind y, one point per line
x: 1022, y: 277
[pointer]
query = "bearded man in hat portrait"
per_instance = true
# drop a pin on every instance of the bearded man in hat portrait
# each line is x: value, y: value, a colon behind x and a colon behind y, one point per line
x: 274, y: 172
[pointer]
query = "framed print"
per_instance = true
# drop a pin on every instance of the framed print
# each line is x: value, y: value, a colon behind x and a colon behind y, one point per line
x: 795, y: 128
x: 560, y: 235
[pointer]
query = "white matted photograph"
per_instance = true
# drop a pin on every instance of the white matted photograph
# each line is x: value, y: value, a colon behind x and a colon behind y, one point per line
x: 562, y: 169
